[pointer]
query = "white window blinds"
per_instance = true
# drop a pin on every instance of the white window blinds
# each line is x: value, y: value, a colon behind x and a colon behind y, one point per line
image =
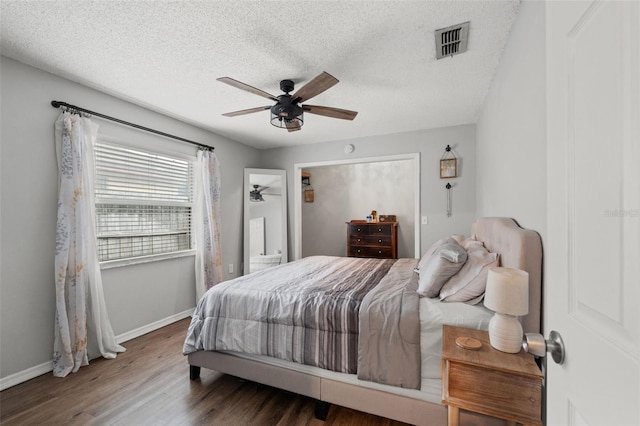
x: 143, y: 202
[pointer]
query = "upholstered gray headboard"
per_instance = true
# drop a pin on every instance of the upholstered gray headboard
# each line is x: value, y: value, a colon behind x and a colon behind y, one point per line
x: 518, y: 248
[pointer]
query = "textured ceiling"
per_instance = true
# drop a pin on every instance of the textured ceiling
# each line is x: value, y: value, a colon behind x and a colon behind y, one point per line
x: 166, y: 55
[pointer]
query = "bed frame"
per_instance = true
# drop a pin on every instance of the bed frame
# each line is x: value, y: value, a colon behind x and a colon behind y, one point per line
x: 518, y: 248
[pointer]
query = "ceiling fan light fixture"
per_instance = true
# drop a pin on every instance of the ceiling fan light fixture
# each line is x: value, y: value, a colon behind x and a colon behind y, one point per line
x: 255, y: 197
x: 287, y: 114
x: 255, y: 194
x: 283, y: 121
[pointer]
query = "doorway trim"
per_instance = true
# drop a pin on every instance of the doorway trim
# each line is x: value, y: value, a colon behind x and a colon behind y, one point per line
x: 297, y: 193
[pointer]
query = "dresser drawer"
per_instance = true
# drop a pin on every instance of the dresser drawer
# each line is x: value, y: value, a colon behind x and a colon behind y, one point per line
x: 359, y: 229
x: 381, y: 252
x: 379, y: 229
x: 370, y: 240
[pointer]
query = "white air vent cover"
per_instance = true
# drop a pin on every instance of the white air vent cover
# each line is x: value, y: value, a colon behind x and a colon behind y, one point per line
x: 451, y: 40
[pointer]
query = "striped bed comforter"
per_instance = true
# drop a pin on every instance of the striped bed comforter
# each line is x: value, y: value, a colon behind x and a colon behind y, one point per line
x: 305, y: 311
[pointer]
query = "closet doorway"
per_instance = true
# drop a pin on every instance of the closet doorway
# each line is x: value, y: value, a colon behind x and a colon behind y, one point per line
x: 349, y: 189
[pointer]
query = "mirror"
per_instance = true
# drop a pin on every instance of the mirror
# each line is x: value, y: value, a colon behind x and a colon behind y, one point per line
x: 265, y: 219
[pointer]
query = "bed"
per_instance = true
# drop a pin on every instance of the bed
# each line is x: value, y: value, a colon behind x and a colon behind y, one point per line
x: 384, y: 383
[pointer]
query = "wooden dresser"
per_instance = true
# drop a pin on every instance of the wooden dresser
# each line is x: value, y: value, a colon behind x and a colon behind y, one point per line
x: 372, y: 239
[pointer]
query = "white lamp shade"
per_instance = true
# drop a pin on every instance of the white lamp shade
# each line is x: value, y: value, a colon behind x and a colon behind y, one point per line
x: 507, y: 291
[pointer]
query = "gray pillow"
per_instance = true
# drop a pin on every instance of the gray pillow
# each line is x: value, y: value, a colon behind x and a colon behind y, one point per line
x: 447, y: 259
x: 429, y: 252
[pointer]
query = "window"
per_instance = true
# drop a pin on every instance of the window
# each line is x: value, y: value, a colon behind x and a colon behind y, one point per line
x: 143, y: 202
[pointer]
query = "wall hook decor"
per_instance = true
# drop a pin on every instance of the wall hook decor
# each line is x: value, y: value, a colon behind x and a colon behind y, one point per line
x: 448, y: 186
x: 309, y: 194
x: 448, y: 164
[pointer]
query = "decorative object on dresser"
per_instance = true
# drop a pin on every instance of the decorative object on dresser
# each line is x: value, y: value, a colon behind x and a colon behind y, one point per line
x: 372, y: 239
x: 507, y: 294
x: 487, y: 381
x: 387, y: 218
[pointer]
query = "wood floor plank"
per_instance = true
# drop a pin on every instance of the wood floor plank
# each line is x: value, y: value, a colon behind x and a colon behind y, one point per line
x: 149, y: 385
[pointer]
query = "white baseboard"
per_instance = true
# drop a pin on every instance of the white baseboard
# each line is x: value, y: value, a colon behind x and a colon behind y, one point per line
x: 46, y: 367
x: 121, y: 338
x: 24, y: 375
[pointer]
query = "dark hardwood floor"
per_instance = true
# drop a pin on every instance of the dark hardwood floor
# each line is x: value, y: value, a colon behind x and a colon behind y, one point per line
x: 149, y: 385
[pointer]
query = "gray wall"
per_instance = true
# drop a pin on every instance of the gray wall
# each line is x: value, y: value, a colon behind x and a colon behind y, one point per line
x: 511, y: 131
x: 350, y: 191
x: 137, y: 295
x: 430, y: 144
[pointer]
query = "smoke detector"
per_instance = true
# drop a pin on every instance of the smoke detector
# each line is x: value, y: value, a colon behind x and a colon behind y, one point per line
x: 451, y: 40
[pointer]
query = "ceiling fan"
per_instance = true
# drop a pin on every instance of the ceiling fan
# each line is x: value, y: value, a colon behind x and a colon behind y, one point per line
x: 256, y: 193
x: 288, y: 110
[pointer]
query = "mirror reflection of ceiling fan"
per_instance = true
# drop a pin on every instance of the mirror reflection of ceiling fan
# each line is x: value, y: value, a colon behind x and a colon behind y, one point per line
x: 288, y: 111
x: 256, y: 193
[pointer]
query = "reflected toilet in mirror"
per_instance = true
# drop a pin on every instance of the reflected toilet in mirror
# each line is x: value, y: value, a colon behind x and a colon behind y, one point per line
x: 265, y: 224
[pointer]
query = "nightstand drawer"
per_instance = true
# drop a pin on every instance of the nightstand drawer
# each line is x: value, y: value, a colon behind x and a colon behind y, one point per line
x: 492, y: 392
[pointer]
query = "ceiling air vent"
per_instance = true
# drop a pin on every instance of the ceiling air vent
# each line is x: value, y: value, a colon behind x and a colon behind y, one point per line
x: 452, y: 40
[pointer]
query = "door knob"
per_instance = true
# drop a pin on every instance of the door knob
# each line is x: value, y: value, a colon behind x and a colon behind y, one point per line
x: 536, y: 345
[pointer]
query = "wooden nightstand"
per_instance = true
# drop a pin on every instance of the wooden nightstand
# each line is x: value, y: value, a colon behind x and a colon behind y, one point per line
x: 487, y: 381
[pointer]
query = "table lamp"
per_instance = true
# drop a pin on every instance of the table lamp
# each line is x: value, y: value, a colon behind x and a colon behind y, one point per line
x: 507, y: 294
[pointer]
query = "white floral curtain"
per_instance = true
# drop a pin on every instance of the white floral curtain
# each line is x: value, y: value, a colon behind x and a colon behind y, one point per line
x: 207, y: 222
x: 82, y: 327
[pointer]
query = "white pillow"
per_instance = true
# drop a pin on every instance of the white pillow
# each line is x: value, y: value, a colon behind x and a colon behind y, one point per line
x: 471, y: 242
x: 458, y: 237
x: 469, y: 284
x: 445, y: 261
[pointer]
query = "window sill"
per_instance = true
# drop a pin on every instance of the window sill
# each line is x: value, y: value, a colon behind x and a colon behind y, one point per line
x: 145, y: 259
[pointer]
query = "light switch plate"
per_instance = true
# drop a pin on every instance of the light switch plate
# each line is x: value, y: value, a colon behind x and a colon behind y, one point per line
x: 425, y: 220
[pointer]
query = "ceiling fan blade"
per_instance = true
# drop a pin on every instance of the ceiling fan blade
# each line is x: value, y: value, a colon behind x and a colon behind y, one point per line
x: 292, y: 126
x: 243, y: 86
x: 343, y: 114
x: 316, y: 86
x: 246, y: 111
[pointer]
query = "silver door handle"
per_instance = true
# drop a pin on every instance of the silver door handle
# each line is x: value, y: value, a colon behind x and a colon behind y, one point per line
x: 536, y: 345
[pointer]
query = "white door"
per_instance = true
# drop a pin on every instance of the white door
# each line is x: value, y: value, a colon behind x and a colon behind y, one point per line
x: 592, y: 255
x: 256, y: 237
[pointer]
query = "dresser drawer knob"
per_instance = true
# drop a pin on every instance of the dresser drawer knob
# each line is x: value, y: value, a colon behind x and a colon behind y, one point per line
x: 379, y: 241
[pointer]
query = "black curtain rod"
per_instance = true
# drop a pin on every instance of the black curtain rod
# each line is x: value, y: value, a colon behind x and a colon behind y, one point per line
x: 59, y: 104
